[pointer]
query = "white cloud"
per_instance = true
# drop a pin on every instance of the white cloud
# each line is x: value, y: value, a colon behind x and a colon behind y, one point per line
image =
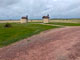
x: 38, y: 8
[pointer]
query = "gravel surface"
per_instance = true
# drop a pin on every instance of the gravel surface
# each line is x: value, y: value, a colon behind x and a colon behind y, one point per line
x: 54, y: 44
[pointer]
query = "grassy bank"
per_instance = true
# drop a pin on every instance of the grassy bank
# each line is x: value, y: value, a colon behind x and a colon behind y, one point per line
x: 66, y: 24
x: 20, y: 31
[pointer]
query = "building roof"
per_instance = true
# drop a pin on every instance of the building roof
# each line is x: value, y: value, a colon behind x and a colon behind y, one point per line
x: 45, y: 17
x: 25, y: 17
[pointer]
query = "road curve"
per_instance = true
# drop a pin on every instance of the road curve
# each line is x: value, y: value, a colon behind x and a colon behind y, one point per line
x: 55, y: 44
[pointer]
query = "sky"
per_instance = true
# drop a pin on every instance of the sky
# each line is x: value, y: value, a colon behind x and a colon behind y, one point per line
x: 35, y: 9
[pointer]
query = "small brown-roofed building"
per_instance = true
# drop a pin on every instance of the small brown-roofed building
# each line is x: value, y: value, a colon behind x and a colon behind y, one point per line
x: 46, y: 19
x: 24, y: 19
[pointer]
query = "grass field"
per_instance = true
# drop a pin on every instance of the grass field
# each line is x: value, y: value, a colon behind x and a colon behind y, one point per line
x: 66, y: 24
x: 20, y: 31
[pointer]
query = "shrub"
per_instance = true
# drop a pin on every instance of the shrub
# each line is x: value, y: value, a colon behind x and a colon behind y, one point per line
x: 7, y: 25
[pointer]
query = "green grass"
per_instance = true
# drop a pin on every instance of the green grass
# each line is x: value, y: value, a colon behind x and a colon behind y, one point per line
x: 66, y: 24
x: 20, y: 31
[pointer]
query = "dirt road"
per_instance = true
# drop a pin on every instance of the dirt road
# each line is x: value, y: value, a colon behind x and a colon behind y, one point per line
x: 55, y: 44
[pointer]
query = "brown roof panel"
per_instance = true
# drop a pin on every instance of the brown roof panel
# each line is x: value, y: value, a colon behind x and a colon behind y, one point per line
x: 25, y: 17
x: 45, y: 17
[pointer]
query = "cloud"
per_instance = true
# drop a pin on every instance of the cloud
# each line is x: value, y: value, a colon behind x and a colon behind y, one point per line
x: 37, y: 8
x: 5, y: 3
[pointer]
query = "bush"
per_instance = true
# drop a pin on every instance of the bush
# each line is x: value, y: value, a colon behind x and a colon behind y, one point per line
x: 7, y: 25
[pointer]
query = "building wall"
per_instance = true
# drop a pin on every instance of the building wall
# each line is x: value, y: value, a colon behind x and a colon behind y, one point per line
x: 45, y: 20
x: 14, y: 21
x: 66, y: 21
x: 9, y: 21
x: 52, y: 21
x: 23, y: 21
x: 35, y: 20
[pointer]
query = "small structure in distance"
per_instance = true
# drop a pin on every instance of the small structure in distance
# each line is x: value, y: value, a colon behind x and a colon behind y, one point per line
x: 24, y: 19
x: 46, y: 19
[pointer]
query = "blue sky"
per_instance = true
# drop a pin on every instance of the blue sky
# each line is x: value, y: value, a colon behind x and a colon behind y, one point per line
x: 35, y: 9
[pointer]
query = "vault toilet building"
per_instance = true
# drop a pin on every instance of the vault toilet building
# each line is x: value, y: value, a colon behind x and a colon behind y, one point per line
x: 46, y: 19
x: 24, y: 19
